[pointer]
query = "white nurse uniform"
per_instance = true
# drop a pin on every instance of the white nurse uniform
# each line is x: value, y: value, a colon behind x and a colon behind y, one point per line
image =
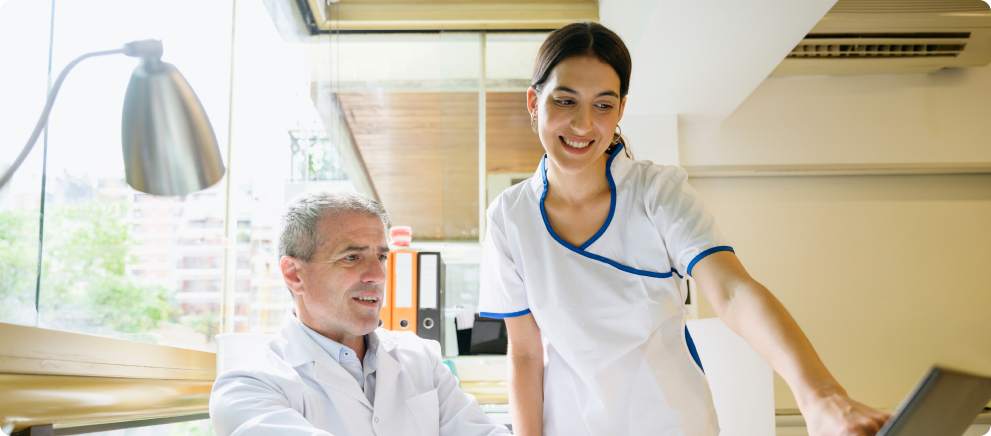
x: 618, y: 358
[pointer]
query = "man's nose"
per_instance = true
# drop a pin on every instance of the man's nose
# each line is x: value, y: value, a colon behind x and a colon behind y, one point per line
x: 375, y: 271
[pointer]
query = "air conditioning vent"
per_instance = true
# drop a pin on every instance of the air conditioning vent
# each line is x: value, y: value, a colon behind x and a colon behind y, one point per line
x: 906, y: 6
x: 881, y: 45
x: 894, y: 37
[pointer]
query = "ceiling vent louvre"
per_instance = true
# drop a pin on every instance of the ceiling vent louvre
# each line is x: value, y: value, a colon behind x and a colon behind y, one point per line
x: 907, y: 6
x: 894, y: 37
x: 885, y: 45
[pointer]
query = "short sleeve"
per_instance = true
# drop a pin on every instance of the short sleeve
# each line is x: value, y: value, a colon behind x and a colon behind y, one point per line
x: 688, y: 228
x: 501, y: 290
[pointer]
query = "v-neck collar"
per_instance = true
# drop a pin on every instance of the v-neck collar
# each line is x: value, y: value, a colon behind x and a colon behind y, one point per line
x: 617, y: 168
x: 542, y: 177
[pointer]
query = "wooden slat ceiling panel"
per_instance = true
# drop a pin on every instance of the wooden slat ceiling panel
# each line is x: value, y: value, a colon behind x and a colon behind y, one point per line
x: 421, y: 151
x: 398, y: 136
x: 510, y: 144
x: 459, y: 143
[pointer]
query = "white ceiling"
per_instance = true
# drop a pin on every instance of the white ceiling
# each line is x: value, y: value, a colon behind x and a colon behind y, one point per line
x: 700, y: 59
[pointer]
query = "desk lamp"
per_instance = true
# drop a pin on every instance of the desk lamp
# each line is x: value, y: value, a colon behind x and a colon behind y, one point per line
x: 169, y: 145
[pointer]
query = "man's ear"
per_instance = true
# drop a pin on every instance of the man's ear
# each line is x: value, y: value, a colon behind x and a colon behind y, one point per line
x: 290, y: 273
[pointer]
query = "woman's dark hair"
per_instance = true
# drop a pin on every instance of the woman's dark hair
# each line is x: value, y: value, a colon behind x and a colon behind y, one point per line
x: 583, y: 39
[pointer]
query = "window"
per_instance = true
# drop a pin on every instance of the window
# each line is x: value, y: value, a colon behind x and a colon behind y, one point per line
x: 395, y: 116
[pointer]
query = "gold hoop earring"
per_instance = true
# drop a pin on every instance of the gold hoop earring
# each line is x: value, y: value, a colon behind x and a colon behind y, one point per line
x: 533, y: 122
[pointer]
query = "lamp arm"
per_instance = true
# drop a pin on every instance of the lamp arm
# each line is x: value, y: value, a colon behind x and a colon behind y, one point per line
x: 48, y: 109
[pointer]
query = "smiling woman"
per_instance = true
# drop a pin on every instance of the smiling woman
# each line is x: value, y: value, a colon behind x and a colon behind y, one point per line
x: 595, y: 284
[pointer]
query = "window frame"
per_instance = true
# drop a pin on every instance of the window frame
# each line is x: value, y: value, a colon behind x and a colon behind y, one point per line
x: 83, y: 379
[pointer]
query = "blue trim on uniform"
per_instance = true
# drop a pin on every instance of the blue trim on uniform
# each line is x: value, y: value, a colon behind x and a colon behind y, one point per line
x: 503, y: 315
x: 612, y: 198
x: 543, y: 214
x: 691, y: 349
x: 706, y: 253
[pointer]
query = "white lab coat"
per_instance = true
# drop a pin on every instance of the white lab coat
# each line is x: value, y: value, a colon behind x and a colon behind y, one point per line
x: 294, y: 388
x: 619, y: 359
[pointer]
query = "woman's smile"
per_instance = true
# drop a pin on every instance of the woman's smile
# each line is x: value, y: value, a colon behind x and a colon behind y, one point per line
x: 576, y: 145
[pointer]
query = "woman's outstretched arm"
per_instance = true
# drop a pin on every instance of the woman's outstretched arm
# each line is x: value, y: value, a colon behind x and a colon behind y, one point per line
x: 526, y: 375
x: 749, y: 309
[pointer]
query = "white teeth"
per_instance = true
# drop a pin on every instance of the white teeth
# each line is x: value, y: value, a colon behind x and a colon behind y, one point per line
x: 576, y: 144
x: 372, y: 299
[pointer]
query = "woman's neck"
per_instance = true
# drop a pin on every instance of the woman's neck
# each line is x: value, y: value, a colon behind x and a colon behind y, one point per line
x: 575, y: 189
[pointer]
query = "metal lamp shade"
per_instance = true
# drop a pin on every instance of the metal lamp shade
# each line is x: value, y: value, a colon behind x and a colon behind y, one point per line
x: 169, y: 145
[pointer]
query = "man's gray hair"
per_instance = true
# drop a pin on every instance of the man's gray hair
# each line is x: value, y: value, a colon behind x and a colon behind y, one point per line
x: 301, y: 236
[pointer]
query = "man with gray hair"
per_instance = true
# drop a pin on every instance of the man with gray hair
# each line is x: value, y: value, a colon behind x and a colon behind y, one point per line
x: 330, y: 371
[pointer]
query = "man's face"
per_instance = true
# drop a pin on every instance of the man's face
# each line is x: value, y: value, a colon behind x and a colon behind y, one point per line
x: 340, y: 290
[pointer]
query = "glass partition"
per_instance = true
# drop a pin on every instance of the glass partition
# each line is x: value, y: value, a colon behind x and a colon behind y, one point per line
x: 24, y: 38
x: 115, y: 261
x: 391, y: 115
x: 281, y: 147
x: 400, y: 117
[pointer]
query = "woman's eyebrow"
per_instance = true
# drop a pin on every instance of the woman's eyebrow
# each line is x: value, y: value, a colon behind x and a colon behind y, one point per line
x: 601, y: 94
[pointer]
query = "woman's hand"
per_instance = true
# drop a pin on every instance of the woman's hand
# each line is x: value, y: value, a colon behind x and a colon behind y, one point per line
x: 835, y: 414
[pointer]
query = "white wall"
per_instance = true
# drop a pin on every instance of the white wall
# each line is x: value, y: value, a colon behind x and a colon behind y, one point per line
x: 887, y: 275
x: 939, y: 117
